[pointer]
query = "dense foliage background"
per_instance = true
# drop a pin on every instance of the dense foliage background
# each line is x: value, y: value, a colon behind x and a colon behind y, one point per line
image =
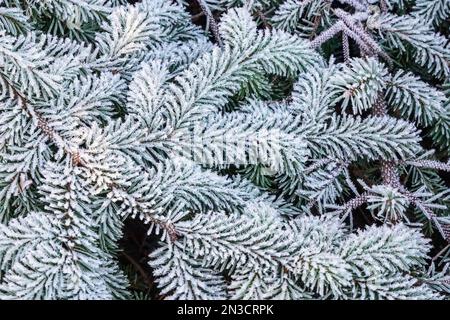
x: 98, y: 99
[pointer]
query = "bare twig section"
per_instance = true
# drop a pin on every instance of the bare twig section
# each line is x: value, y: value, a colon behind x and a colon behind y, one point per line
x: 347, y: 208
x: 437, y: 255
x: 351, y: 22
x: 389, y: 174
x: 383, y: 6
x: 345, y: 48
x: 363, y: 47
x: 197, y: 16
x: 139, y: 269
x: 327, y: 35
x: 213, y: 26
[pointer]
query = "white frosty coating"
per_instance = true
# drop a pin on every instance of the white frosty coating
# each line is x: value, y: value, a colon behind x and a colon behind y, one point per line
x: 133, y: 125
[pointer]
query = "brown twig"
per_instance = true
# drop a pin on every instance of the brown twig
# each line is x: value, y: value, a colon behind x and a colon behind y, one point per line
x: 440, y: 252
x: 139, y: 268
x: 197, y: 16
x: 345, y: 48
x: 213, y: 26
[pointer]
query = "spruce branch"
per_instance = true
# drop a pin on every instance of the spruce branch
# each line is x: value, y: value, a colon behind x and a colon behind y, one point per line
x: 40, y: 121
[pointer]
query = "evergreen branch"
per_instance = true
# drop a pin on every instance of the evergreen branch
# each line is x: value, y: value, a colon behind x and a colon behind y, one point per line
x: 41, y: 123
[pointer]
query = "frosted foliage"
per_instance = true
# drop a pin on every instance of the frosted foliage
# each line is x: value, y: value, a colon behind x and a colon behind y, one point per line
x: 270, y: 149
